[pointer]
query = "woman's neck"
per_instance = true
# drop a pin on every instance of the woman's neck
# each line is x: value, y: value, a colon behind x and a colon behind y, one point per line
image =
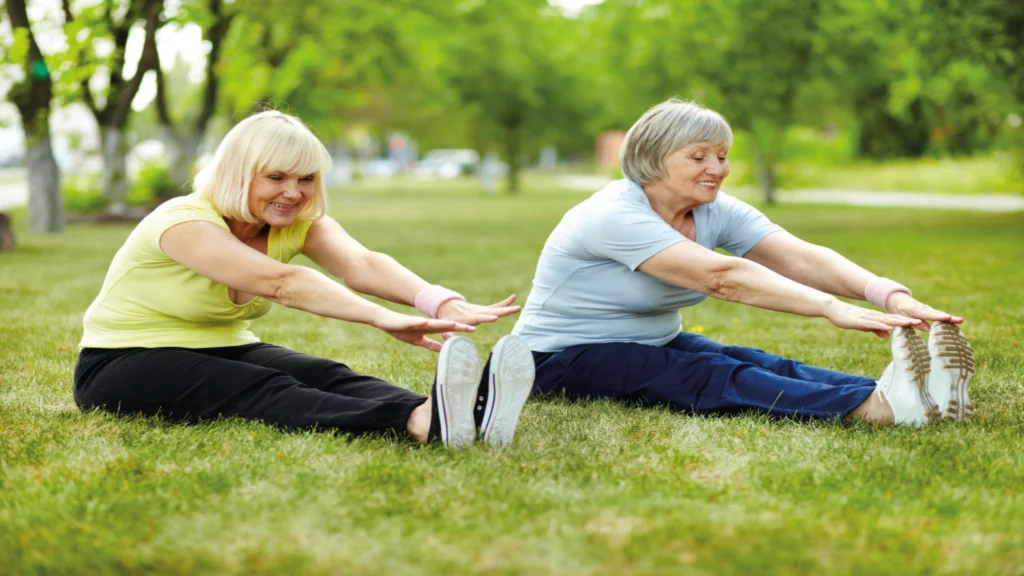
x: 668, y: 204
x: 244, y: 231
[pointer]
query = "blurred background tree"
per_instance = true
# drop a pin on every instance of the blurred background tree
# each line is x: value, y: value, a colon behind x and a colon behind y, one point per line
x: 808, y: 85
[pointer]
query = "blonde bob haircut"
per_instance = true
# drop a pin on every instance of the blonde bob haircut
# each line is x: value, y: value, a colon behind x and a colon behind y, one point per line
x: 662, y: 130
x: 263, y: 143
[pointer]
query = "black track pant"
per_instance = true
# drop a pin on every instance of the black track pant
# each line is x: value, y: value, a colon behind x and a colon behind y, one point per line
x: 256, y: 381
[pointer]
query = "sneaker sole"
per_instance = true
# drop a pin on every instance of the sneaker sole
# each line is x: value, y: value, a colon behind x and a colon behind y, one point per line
x: 917, y: 357
x: 509, y: 384
x: 956, y: 360
x: 458, y: 375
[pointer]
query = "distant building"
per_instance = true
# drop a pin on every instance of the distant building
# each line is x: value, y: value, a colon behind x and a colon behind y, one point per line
x: 606, y: 150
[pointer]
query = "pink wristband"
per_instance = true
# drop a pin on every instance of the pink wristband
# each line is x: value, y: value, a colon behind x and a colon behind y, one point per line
x: 432, y: 297
x: 878, y: 290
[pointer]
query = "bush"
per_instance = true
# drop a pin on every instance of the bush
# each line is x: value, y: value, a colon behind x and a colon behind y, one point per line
x: 82, y: 195
x: 152, y: 183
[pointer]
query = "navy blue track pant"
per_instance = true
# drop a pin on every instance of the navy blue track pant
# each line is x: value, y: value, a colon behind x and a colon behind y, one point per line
x: 696, y: 374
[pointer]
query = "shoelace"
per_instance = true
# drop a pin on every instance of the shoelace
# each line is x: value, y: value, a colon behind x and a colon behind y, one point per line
x: 917, y: 356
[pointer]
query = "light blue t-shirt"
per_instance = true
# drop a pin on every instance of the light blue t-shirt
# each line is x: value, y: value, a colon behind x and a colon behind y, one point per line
x: 587, y: 289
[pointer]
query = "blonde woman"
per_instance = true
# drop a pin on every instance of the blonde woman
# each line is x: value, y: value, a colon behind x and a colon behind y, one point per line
x: 169, y: 331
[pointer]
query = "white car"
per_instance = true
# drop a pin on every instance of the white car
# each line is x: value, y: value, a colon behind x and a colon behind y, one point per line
x: 448, y: 163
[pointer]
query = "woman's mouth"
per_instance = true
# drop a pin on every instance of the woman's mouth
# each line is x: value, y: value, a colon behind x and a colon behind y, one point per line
x: 708, y: 183
x: 283, y: 207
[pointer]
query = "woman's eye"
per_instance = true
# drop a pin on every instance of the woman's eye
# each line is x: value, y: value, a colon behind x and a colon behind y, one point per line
x: 698, y: 158
x: 274, y: 177
x: 307, y: 179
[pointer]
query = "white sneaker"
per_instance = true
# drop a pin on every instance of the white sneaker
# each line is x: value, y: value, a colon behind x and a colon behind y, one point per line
x: 501, y: 397
x: 952, y: 366
x: 904, y: 383
x: 454, y: 390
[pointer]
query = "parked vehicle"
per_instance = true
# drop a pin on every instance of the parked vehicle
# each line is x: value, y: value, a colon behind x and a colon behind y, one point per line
x: 448, y: 163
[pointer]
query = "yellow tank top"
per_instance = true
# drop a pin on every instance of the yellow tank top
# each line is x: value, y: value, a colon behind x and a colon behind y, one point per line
x: 150, y: 300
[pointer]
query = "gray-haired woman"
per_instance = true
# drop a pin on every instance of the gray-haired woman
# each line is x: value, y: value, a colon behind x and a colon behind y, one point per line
x: 603, y: 321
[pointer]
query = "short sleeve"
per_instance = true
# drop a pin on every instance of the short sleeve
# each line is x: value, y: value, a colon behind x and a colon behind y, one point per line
x: 626, y: 234
x: 742, y: 225
x: 170, y: 215
x: 292, y: 239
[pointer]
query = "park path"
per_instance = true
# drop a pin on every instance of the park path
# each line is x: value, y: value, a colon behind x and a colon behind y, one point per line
x: 974, y: 202
x: 14, y: 193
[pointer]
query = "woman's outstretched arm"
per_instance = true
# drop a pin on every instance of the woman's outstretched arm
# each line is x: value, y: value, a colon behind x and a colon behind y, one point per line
x: 690, y: 265
x: 377, y: 274
x: 826, y: 270
x: 215, y: 253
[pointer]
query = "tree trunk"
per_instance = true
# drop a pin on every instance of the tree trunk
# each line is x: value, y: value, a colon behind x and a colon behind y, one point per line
x: 764, y: 170
x: 6, y: 233
x: 115, y: 178
x: 45, y: 208
x: 513, y: 156
x: 113, y: 117
x: 32, y: 97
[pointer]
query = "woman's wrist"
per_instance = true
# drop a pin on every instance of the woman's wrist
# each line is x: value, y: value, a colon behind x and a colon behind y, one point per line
x: 878, y: 291
x: 828, y: 304
x: 430, y: 299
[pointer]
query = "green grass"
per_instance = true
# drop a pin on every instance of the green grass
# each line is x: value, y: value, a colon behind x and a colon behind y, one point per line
x: 994, y: 174
x: 587, y: 488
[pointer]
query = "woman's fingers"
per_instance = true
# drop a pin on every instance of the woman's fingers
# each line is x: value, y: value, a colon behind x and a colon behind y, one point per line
x: 897, y: 320
x: 438, y: 326
x: 501, y: 312
x: 505, y: 302
x: 429, y: 344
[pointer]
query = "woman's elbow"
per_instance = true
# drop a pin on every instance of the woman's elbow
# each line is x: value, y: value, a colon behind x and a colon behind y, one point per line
x: 284, y: 286
x: 724, y: 283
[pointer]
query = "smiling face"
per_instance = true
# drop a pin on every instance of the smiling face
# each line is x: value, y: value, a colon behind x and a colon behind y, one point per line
x: 696, y: 172
x: 277, y: 198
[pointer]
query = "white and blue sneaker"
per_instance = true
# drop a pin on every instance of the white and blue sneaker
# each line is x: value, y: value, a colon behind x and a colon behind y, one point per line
x: 508, y: 380
x: 453, y: 393
x: 952, y: 366
x: 904, y: 383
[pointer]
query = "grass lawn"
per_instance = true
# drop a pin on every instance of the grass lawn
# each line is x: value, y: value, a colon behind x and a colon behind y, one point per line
x: 587, y: 488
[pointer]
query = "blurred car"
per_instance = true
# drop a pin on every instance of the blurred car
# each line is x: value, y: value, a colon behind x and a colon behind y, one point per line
x: 448, y: 163
x: 381, y: 167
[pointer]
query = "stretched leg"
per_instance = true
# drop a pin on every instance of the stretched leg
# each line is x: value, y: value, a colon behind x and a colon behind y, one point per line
x: 686, y: 342
x: 192, y: 385
x: 323, y: 374
x: 691, y: 381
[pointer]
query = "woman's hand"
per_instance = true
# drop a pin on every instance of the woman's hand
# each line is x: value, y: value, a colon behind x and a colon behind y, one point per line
x: 473, y: 314
x: 413, y: 329
x: 905, y: 304
x: 850, y: 317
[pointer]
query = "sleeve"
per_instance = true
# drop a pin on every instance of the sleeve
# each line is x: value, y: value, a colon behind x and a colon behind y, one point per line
x: 626, y: 234
x: 166, y: 217
x: 293, y: 239
x: 743, y: 226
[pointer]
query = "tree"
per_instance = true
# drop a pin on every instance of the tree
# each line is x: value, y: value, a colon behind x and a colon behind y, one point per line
x: 319, y: 61
x: 184, y: 137
x: 33, y: 95
x: 508, y: 67
x: 764, y: 63
x: 113, y: 114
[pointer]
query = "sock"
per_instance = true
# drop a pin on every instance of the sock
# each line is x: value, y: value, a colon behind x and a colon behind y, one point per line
x: 482, y: 392
x: 434, y: 433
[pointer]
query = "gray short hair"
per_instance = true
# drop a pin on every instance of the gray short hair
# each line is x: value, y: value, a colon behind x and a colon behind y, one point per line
x: 662, y: 130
